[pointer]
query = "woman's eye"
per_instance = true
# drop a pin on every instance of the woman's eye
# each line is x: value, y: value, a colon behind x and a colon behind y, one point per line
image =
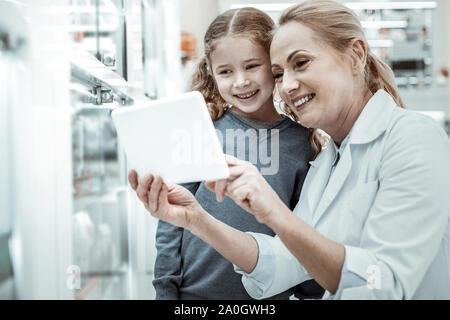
x: 277, y: 76
x: 301, y: 63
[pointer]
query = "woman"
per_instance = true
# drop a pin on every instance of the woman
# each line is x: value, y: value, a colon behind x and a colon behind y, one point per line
x: 373, y: 216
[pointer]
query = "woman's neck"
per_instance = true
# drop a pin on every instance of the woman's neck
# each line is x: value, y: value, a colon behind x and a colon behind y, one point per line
x: 348, y: 119
x: 266, y: 112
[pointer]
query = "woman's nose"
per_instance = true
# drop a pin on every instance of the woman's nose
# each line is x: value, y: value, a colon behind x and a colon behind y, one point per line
x: 290, y: 84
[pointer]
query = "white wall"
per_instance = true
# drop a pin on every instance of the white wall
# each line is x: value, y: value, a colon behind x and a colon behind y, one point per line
x: 195, y: 17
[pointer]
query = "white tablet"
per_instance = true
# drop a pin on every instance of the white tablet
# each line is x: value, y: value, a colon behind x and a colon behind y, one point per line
x: 171, y: 137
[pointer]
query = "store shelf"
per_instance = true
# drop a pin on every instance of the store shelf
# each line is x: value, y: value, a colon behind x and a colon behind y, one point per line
x: 88, y: 71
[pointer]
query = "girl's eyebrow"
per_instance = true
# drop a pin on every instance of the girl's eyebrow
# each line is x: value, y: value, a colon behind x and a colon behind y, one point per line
x: 222, y: 66
x: 245, y: 61
x: 252, y: 59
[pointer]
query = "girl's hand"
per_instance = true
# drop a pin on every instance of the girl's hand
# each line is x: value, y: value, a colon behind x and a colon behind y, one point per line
x: 170, y: 203
x: 248, y: 189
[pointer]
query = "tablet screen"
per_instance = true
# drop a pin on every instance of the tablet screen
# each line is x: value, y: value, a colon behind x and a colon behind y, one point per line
x: 171, y: 137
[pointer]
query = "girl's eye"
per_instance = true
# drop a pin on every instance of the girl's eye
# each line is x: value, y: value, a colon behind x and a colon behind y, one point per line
x: 224, y: 72
x: 301, y: 63
x: 252, y: 66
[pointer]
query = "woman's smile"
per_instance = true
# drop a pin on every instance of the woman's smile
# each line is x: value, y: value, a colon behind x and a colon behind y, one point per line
x: 302, y: 101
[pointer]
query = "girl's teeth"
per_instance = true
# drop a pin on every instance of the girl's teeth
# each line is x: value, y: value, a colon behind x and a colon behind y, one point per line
x: 246, y: 95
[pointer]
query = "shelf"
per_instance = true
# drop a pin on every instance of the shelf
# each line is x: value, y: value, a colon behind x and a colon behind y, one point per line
x: 104, y: 84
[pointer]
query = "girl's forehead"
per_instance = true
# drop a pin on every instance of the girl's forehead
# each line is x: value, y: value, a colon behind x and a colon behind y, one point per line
x: 238, y: 40
x: 237, y: 45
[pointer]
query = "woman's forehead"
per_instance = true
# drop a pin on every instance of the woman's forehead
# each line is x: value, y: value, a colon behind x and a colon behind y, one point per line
x: 293, y: 32
x: 295, y: 36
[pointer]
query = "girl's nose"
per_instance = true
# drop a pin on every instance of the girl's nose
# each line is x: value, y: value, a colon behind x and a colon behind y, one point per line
x: 241, y: 81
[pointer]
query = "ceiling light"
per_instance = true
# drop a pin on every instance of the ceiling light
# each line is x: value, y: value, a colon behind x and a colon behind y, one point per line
x: 391, y: 5
x: 265, y: 6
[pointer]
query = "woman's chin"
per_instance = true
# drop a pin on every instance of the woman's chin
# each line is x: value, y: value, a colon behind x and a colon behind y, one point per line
x: 305, y: 121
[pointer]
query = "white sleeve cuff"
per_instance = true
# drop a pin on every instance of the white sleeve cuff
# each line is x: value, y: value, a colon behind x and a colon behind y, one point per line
x: 276, y: 270
x: 257, y: 282
x: 363, y: 276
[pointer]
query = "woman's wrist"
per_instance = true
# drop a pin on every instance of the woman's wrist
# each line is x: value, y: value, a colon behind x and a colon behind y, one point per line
x: 277, y: 216
x: 199, y: 221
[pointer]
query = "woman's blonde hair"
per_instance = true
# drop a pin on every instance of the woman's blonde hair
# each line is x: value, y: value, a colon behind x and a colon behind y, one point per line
x: 252, y: 23
x: 339, y: 27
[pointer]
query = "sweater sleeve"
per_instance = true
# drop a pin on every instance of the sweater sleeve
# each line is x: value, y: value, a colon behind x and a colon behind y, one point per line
x: 168, y: 264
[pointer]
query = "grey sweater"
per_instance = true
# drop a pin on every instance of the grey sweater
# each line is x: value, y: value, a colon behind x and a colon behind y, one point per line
x: 188, y: 268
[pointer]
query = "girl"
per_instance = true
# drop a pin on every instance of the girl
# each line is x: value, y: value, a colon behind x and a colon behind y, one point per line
x: 235, y: 78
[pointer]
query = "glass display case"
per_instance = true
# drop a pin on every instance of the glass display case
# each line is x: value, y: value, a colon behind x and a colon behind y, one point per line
x: 401, y: 34
x: 118, y: 60
x: 99, y: 69
x: 7, y: 64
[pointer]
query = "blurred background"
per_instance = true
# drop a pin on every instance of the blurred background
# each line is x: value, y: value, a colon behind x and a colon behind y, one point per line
x: 70, y: 228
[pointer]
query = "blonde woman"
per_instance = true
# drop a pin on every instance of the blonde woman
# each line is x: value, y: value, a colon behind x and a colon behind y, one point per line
x: 372, y: 221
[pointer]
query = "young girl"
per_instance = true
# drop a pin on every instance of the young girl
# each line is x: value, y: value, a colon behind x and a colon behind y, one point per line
x: 235, y: 78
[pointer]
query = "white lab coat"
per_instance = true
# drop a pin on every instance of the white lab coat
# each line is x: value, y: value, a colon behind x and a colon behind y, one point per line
x: 387, y: 202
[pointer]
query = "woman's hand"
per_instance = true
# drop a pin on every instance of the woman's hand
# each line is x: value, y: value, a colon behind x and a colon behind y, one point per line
x: 170, y: 203
x: 248, y: 189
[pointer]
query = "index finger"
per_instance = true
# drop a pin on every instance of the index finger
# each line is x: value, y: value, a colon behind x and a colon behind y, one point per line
x: 220, y: 187
x: 232, y: 161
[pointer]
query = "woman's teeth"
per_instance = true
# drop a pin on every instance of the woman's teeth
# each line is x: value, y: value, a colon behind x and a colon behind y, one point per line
x: 246, y: 95
x: 304, y: 100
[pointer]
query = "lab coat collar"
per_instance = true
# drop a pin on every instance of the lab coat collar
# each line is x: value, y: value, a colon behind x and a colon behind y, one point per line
x: 371, y: 123
x: 374, y: 118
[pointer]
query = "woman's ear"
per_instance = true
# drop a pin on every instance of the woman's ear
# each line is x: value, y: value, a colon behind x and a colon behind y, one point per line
x: 358, y: 49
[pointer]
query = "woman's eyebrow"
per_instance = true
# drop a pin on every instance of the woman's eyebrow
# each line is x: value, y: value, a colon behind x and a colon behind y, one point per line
x: 293, y: 53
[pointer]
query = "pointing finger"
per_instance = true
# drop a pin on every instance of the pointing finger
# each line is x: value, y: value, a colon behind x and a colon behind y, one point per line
x: 220, y: 188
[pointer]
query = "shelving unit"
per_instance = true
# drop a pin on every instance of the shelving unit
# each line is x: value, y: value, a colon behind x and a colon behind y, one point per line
x: 400, y: 33
x: 101, y: 69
